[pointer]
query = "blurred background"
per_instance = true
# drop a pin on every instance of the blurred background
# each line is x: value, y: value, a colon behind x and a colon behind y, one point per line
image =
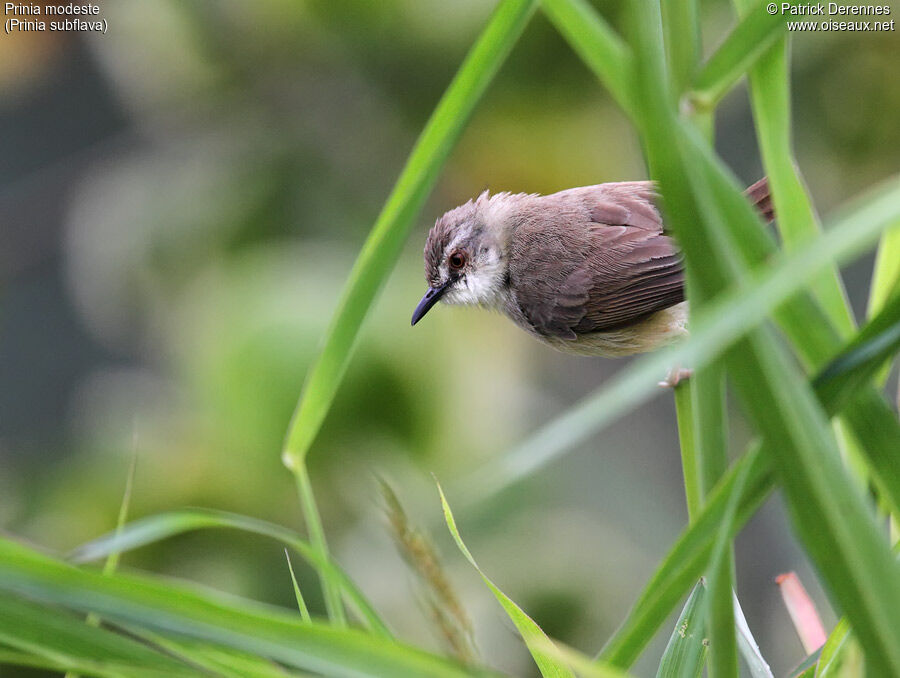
x: 180, y: 202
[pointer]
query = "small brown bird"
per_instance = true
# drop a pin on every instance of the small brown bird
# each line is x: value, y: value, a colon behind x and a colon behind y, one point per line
x: 588, y: 270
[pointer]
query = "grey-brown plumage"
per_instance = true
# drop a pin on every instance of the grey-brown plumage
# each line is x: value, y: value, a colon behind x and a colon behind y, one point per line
x: 587, y: 270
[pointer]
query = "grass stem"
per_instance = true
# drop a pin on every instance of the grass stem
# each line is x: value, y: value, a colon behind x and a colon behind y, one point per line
x: 330, y: 590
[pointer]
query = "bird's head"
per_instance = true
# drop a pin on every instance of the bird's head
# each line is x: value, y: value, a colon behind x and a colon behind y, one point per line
x: 465, y: 259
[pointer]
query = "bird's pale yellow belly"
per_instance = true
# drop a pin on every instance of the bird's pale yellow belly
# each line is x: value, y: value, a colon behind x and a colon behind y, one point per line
x: 655, y: 331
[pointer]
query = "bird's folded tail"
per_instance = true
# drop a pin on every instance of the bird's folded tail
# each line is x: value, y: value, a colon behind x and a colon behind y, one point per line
x: 761, y: 199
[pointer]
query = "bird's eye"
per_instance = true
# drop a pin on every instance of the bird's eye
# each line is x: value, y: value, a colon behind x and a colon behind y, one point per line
x: 457, y: 260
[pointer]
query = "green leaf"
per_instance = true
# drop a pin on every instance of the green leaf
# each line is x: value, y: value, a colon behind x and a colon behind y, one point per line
x: 170, y: 607
x: 219, y: 661
x: 807, y: 667
x: 549, y: 664
x: 796, y: 219
x: 829, y: 515
x: 687, y: 441
x: 385, y: 241
x: 720, y: 610
x: 598, y: 45
x: 872, y: 346
x: 112, y: 560
x: 69, y: 642
x: 301, y: 603
x: 164, y: 525
x: 681, y: 28
x: 839, y: 653
x: 319, y: 545
x: 886, y: 274
x: 885, y: 280
x: 685, y: 653
x: 747, y: 41
x: 689, y: 556
x: 759, y: 667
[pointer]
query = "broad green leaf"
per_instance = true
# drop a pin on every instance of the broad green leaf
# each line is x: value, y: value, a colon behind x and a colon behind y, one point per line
x: 165, y: 525
x: 550, y: 665
x: 685, y: 653
x: 385, y: 241
x: 170, y: 607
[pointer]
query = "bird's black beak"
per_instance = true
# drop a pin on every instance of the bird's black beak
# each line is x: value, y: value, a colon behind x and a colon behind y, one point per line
x: 430, y: 299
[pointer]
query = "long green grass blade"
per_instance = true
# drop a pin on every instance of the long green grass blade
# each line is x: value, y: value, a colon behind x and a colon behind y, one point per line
x: 746, y: 43
x: 685, y: 653
x: 215, y: 660
x: 868, y: 418
x: 835, y: 652
x: 681, y: 28
x: 61, y: 638
x: 112, y: 560
x: 885, y: 279
x: 32, y: 661
x: 549, y: 664
x: 301, y: 603
x: 796, y: 219
x: 872, y: 346
x: 164, y: 525
x: 383, y: 246
x: 330, y: 587
x: 689, y: 556
x: 720, y: 611
x: 176, y: 608
x: 690, y: 463
x: 886, y: 274
x: 598, y: 45
x: 829, y: 515
x: 817, y: 347
x: 584, y: 666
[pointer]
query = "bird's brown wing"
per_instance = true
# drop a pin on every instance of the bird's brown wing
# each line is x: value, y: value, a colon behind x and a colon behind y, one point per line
x: 594, y: 259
